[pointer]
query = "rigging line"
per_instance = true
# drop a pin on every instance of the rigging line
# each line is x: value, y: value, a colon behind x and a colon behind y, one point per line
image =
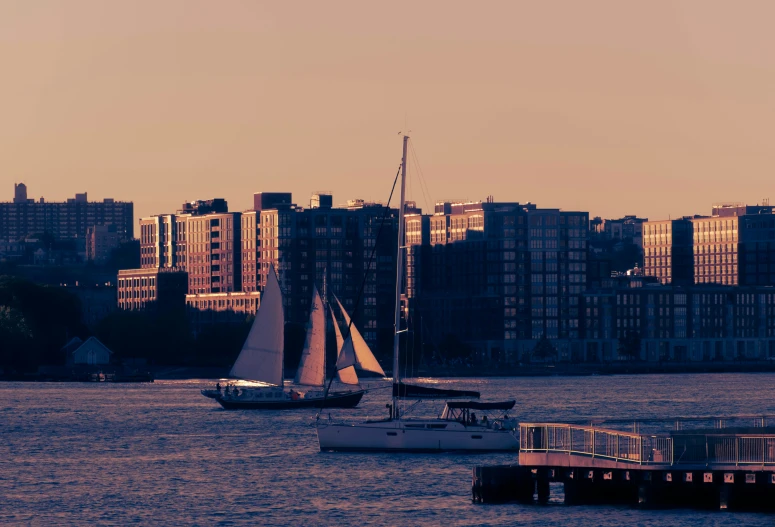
x: 419, y: 182
x: 410, y: 345
x: 423, y: 182
x: 385, y: 214
x: 409, y: 187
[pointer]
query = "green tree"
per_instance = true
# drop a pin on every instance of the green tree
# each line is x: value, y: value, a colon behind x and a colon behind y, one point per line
x: 37, y: 322
x: 15, y: 335
x: 160, y: 338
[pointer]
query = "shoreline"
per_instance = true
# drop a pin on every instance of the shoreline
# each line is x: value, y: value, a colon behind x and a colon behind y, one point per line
x: 550, y: 370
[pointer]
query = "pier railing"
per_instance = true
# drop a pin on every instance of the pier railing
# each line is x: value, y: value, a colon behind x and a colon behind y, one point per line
x: 648, y: 449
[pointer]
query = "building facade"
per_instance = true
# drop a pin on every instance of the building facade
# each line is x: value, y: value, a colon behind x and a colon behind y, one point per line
x: 226, y: 257
x: 328, y: 247
x: 164, y: 289
x: 101, y: 241
x: 221, y: 308
x: 213, y: 253
x: 659, y: 323
x: 734, y: 246
x: 24, y: 217
x: 667, y: 251
x: 203, y: 239
x: 498, y: 275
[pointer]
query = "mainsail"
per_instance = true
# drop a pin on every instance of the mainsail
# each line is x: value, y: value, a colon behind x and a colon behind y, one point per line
x: 261, y: 358
x: 347, y: 374
x: 312, y: 368
x: 364, y: 358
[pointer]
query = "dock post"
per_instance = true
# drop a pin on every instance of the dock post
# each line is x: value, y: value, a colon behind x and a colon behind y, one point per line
x: 526, y: 485
x: 723, y: 497
x: 501, y: 484
x: 542, y: 486
x: 645, y: 494
x: 570, y: 487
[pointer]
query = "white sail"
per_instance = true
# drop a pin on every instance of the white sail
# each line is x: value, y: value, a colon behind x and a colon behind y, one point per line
x: 312, y: 367
x: 364, y: 358
x: 261, y: 358
x: 339, y: 339
x: 346, y: 375
x: 346, y: 358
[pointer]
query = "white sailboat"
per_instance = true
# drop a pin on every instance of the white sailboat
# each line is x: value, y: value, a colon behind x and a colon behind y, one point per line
x: 456, y: 430
x: 262, y: 356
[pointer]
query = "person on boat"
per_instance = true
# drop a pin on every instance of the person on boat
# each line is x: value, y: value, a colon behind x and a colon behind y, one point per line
x: 473, y: 418
x: 484, y: 421
x: 218, y: 387
x: 294, y: 395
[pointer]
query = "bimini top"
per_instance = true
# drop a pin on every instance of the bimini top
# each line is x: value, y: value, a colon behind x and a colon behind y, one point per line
x: 476, y: 405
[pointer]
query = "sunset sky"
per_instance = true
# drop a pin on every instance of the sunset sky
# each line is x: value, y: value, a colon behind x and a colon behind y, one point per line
x: 649, y: 108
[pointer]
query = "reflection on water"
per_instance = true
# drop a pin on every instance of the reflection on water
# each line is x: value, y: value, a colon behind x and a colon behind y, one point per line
x: 162, y: 454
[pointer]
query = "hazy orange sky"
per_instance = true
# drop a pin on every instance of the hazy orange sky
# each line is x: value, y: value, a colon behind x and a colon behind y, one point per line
x: 649, y: 108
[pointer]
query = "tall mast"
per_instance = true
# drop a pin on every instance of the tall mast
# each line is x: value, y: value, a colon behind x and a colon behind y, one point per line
x: 325, y: 324
x: 399, y: 281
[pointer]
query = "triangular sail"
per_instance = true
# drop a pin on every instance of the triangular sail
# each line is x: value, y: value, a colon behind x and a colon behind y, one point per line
x: 346, y: 356
x: 346, y: 375
x: 339, y: 339
x: 364, y: 358
x: 312, y: 366
x: 261, y: 358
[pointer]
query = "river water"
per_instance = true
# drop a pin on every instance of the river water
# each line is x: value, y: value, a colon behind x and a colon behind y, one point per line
x: 161, y: 454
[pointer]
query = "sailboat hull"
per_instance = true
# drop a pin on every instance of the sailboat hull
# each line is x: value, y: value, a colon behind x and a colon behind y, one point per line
x: 210, y: 393
x: 415, y: 436
x: 334, y: 400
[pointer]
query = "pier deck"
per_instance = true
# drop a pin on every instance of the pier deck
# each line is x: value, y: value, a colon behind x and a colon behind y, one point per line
x: 719, y: 467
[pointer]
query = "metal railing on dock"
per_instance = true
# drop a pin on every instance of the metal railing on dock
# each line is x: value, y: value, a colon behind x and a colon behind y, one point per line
x: 682, y: 447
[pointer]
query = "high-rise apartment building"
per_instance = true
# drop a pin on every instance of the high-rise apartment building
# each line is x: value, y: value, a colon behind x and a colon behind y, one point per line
x: 23, y: 217
x: 667, y: 251
x: 227, y: 256
x: 213, y: 253
x: 498, y: 275
x: 203, y: 238
x: 557, y: 243
x: 330, y: 247
x: 251, y: 250
x: 734, y: 246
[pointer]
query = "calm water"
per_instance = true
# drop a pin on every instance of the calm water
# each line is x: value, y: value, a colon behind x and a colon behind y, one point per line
x: 161, y: 454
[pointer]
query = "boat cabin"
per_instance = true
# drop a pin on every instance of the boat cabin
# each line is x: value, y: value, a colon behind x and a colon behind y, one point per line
x: 464, y: 411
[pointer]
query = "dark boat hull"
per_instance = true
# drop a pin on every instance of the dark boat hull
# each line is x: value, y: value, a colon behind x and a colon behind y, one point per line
x: 334, y: 400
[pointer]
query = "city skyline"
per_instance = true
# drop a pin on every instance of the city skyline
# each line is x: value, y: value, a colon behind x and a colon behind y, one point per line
x: 531, y: 102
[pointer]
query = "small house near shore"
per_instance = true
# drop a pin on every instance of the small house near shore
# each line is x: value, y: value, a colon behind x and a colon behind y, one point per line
x: 92, y: 352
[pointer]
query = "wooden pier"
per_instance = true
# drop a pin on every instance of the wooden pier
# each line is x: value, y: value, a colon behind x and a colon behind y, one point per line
x: 720, y: 467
